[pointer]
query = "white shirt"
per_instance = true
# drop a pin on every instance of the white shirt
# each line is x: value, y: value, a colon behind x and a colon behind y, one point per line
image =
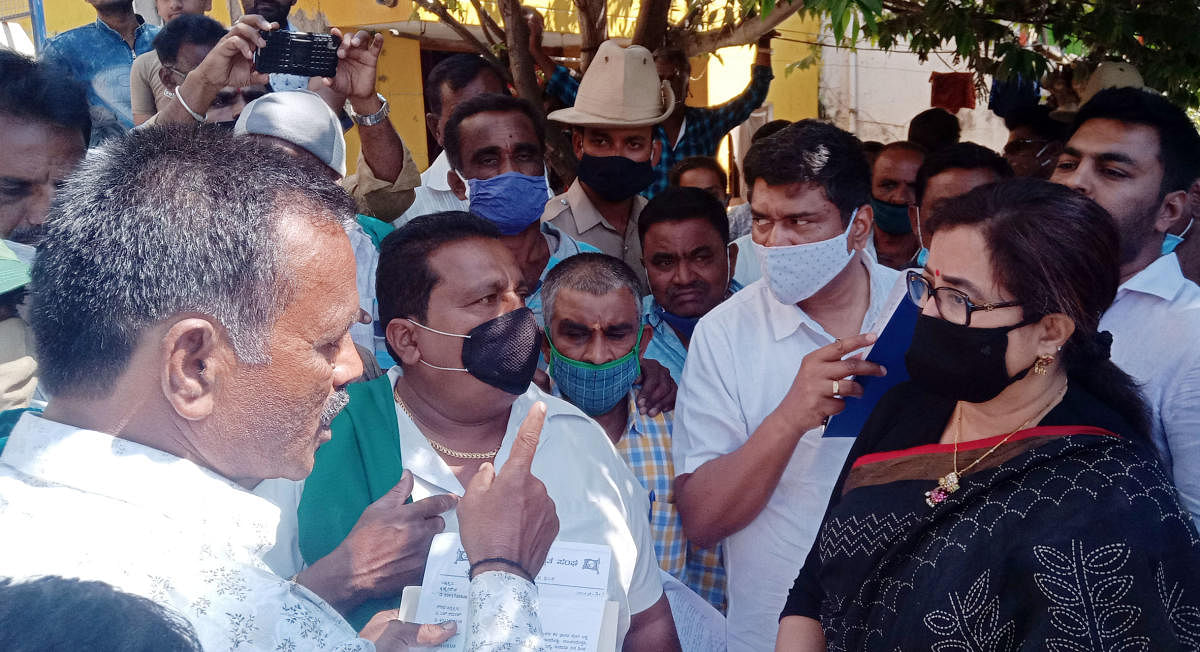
x: 597, y: 497
x: 434, y: 194
x: 1155, y: 323
x: 742, y: 360
x: 79, y: 503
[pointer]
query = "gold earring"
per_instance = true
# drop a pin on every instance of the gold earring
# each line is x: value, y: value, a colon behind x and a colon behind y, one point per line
x: 1042, y: 362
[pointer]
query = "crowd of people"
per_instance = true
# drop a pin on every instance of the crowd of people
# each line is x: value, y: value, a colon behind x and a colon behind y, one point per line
x: 245, y: 384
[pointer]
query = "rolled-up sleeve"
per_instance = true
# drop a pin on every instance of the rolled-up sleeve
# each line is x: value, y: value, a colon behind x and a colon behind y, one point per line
x: 381, y: 199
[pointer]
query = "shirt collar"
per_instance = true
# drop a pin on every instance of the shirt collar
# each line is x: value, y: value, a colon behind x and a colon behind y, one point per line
x: 435, y: 176
x: 140, y: 21
x: 1163, y: 278
x: 98, y: 463
x: 583, y: 210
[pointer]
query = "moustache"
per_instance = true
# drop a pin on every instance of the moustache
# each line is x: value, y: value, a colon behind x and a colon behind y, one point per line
x: 333, y: 406
x: 696, y: 286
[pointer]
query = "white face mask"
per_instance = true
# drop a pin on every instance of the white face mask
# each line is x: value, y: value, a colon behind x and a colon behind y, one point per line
x: 795, y: 273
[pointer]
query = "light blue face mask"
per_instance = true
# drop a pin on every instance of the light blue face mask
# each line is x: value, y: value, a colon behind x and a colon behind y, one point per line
x: 1170, y: 240
x: 923, y: 252
x: 595, y: 388
x: 512, y: 201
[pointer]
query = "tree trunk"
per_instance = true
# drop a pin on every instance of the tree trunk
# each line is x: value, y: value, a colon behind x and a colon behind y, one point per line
x: 593, y: 28
x: 559, y: 153
x: 651, y: 29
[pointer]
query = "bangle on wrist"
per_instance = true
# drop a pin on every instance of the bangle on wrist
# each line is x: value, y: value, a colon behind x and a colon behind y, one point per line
x: 520, y: 570
x: 184, y: 104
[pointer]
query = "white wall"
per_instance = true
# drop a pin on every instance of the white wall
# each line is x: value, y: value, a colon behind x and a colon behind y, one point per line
x: 892, y: 87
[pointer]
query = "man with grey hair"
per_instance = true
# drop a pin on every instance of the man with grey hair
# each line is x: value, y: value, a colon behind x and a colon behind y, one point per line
x: 594, y: 342
x: 194, y: 336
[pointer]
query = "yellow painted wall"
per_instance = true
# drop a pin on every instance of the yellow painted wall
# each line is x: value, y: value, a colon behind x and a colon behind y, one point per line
x: 400, y: 82
x: 62, y: 15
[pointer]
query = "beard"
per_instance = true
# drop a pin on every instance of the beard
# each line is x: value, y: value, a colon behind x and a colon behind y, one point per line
x: 113, y: 5
x: 1135, y: 231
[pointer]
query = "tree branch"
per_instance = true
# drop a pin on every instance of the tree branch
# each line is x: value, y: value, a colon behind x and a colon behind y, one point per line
x: 438, y: 9
x: 651, y: 29
x: 746, y: 32
x: 593, y: 29
x: 491, y: 31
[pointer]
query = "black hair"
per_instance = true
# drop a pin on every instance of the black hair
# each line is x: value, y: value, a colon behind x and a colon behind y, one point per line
x: 56, y: 613
x: 769, y: 129
x: 934, y: 129
x: 697, y: 163
x: 403, y: 278
x: 903, y: 145
x: 1178, y: 143
x: 1037, y: 118
x: 960, y: 156
x: 187, y: 28
x: 42, y: 92
x: 455, y: 71
x: 679, y: 204
x: 488, y: 102
x: 1056, y: 251
x: 177, y: 237
x: 816, y: 152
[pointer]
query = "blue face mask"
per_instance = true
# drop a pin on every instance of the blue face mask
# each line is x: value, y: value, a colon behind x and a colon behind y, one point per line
x: 595, y: 388
x: 891, y: 218
x: 1170, y: 240
x: 684, y: 325
x: 512, y: 201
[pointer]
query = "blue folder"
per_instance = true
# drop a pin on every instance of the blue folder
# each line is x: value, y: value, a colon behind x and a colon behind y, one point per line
x: 888, y: 351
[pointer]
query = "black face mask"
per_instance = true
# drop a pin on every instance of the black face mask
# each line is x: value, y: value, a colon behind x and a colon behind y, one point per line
x: 615, y: 178
x: 502, y: 352
x: 960, y: 362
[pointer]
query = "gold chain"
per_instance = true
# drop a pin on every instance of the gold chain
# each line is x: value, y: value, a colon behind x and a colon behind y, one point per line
x: 444, y: 450
x: 948, y: 484
x: 958, y: 433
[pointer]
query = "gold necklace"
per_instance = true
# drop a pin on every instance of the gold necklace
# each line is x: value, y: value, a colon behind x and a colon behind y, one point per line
x: 948, y: 484
x: 444, y: 450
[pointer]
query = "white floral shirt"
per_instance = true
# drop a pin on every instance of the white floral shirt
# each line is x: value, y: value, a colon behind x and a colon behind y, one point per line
x: 79, y: 503
x: 502, y: 610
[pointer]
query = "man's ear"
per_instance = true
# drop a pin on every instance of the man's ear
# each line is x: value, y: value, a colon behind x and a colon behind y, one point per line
x: 733, y: 254
x: 457, y: 186
x: 647, y: 335
x: 1174, y: 207
x: 546, y: 346
x: 431, y: 123
x: 194, y: 363
x: 914, y: 215
x: 402, y: 337
x: 164, y: 76
x: 862, y: 228
x: 655, y: 150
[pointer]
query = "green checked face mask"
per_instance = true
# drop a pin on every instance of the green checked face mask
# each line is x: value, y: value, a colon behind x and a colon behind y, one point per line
x: 595, y: 388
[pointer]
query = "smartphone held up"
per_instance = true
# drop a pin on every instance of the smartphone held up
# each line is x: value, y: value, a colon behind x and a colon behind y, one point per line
x: 298, y: 53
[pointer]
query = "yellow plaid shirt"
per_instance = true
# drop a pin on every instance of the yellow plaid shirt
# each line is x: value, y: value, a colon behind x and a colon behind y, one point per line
x: 646, y: 448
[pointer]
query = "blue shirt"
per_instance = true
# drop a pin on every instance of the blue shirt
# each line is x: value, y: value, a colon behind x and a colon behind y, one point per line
x: 665, y: 346
x: 703, y: 127
x: 101, y: 60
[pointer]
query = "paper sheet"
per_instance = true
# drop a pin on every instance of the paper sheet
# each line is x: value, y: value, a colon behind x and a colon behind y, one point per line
x: 701, y: 627
x: 572, y: 590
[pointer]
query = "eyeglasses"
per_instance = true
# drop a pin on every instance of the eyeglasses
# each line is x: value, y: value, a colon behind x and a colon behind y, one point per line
x: 952, y: 304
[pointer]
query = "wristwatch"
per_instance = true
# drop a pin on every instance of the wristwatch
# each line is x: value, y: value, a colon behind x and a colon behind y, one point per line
x: 374, y: 118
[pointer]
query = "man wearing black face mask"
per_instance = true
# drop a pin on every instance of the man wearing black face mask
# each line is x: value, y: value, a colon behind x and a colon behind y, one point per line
x: 620, y: 100
x: 893, y: 190
x: 467, y: 351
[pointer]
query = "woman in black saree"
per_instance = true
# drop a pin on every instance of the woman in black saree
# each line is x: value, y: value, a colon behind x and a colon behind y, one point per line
x: 1006, y: 497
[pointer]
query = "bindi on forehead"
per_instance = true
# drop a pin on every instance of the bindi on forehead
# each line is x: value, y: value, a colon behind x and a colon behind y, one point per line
x: 937, y: 272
